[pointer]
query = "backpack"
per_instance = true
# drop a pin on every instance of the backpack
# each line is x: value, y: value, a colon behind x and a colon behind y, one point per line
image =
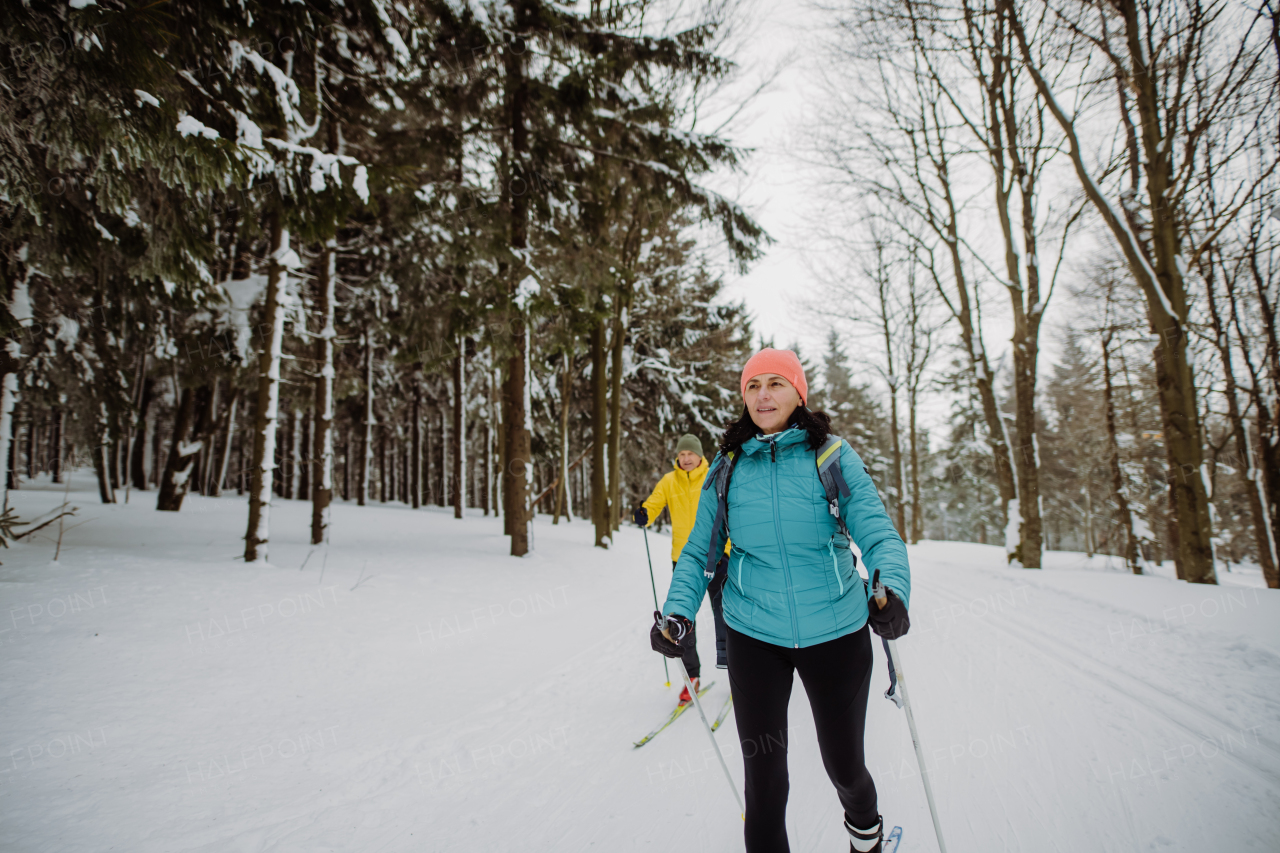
x: 829, y: 472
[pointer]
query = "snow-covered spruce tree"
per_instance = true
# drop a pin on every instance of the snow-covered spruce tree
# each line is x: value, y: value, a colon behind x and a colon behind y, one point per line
x: 683, y: 360
x: 311, y: 191
x: 856, y: 414
x: 964, y: 480
x: 578, y: 91
x: 101, y: 141
x: 378, y: 104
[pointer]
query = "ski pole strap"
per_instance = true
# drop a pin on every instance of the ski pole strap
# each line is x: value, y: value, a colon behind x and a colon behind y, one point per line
x: 719, y: 478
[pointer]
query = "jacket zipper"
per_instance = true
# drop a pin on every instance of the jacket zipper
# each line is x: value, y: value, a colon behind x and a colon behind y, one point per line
x: 782, y: 548
x: 835, y: 567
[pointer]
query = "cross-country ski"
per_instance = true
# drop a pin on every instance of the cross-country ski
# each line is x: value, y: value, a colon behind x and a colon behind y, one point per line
x: 406, y: 405
x: 724, y: 712
x: 675, y: 714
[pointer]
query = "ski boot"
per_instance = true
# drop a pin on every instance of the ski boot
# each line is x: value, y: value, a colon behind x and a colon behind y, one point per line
x: 865, y: 840
x: 685, y: 698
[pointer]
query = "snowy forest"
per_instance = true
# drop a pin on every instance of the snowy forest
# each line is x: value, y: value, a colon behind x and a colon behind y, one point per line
x: 344, y: 342
x: 467, y: 254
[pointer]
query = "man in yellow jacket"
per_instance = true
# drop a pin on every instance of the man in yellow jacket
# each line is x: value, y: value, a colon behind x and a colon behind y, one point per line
x: 679, y: 491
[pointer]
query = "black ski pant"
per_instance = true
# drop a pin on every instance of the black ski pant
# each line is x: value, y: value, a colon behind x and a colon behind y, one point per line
x: 714, y: 590
x: 837, y: 678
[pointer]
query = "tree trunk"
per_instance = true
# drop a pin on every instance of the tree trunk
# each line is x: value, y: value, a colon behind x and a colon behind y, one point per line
x: 443, y: 494
x: 1088, y: 516
x: 137, y: 458
x: 242, y: 465
x: 392, y: 443
x: 1027, y: 456
x: 11, y: 464
x: 346, y: 465
x: 615, y: 418
x: 99, y: 452
x: 366, y: 441
x: 1155, y: 267
x: 515, y: 402
x: 415, y: 453
x: 31, y: 440
x: 264, y: 439
x: 206, y: 429
x: 600, y: 514
x: 917, y: 512
x: 498, y: 444
x: 226, y: 434
x: 980, y: 365
x: 899, y: 504
x: 8, y: 400
x: 382, y: 464
x: 177, y: 470
x: 1263, y: 540
x: 280, y: 462
x: 1004, y: 139
x: 1259, y: 506
x: 113, y: 462
x: 486, y: 465
x: 1262, y: 392
x: 55, y: 444
x: 459, y: 444
x: 291, y: 456
x: 305, y: 459
x: 157, y: 446
x: 1130, y: 546
x: 562, y: 505
x: 406, y: 474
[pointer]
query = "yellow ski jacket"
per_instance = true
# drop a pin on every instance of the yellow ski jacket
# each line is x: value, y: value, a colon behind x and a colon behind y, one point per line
x: 679, y: 490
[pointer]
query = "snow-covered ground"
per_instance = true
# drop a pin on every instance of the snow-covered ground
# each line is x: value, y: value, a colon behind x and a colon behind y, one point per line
x: 416, y: 689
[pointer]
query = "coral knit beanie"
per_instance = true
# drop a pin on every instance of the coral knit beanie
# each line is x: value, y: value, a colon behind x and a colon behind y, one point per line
x: 783, y: 362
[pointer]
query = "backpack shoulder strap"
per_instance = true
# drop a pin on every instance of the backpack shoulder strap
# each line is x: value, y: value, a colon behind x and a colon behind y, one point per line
x: 832, y: 477
x: 718, y: 477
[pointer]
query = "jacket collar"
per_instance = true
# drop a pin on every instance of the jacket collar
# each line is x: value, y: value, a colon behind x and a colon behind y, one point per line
x: 698, y: 470
x: 790, y: 435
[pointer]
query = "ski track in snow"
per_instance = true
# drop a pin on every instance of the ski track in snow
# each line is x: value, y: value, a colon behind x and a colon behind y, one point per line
x: 1204, y: 723
x: 454, y: 698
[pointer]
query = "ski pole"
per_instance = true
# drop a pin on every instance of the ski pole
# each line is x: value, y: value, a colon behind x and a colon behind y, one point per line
x: 693, y: 694
x: 655, y: 595
x: 895, y: 658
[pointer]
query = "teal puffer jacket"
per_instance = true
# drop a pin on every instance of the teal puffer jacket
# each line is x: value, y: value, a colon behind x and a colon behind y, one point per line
x: 791, y: 579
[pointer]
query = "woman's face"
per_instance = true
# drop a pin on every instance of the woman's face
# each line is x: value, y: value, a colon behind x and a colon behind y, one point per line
x: 770, y: 399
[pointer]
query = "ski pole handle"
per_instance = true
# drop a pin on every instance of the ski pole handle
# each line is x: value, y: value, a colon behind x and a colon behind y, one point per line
x: 878, y: 592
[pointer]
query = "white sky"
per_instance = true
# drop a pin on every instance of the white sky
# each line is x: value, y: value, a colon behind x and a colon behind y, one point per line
x: 778, y: 189
x: 772, y: 186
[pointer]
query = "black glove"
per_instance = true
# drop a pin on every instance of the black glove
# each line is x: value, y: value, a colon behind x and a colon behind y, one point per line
x: 890, y: 621
x: 680, y: 629
x: 640, y: 516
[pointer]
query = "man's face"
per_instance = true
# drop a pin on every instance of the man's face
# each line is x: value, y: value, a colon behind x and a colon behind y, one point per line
x: 688, y: 460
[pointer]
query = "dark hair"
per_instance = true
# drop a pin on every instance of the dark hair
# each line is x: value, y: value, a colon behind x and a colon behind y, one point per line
x: 816, y: 424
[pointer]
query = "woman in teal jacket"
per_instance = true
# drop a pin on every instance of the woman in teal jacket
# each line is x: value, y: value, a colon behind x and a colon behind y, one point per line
x: 793, y: 601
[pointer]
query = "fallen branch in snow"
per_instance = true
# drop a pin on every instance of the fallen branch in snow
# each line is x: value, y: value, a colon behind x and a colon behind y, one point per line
x: 57, y: 517
x: 9, y: 520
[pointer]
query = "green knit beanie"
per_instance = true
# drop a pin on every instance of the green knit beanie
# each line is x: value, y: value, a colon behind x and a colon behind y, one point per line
x: 689, y: 442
